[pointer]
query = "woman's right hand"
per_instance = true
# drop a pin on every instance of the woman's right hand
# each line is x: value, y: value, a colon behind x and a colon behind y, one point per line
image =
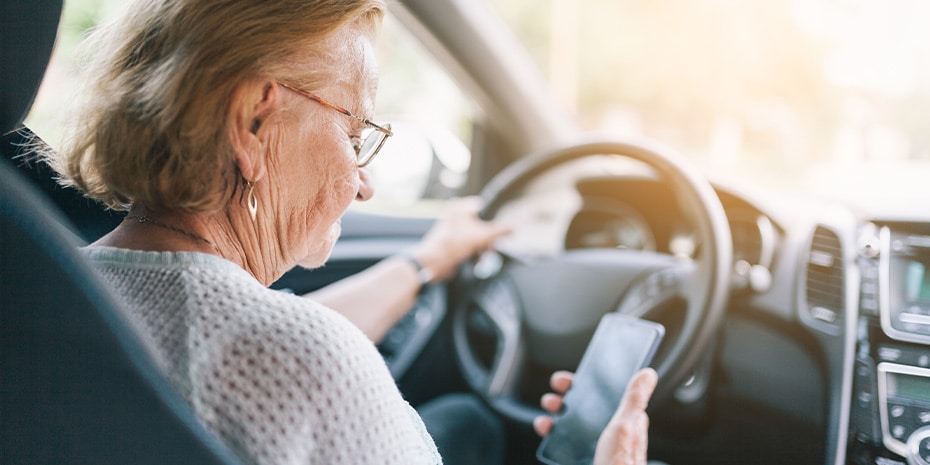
x: 457, y: 235
x: 625, y: 439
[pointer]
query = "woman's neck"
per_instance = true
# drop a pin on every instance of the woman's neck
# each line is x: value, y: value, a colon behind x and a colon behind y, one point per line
x: 218, y: 234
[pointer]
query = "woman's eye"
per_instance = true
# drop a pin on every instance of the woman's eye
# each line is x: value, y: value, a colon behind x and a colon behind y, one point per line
x: 356, y: 143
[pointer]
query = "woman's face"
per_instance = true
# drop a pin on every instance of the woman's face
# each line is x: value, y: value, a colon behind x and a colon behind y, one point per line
x: 315, y: 175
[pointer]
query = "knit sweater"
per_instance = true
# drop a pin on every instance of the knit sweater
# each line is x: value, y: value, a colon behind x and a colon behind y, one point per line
x: 280, y: 378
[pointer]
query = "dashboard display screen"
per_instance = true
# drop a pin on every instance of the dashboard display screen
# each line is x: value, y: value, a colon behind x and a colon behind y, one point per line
x: 917, y: 287
x: 914, y: 387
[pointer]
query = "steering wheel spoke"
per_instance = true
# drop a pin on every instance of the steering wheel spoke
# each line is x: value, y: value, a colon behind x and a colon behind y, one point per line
x: 488, y: 338
x: 504, y: 315
x: 658, y: 289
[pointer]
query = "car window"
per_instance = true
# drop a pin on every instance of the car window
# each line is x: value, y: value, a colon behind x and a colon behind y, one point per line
x: 428, y: 157
x: 61, y: 77
x: 802, y: 94
x: 426, y: 160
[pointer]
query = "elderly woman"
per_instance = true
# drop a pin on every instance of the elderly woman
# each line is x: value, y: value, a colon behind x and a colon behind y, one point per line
x: 235, y: 134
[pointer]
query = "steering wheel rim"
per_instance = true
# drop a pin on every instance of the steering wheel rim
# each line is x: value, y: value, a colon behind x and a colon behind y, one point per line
x: 707, y: 291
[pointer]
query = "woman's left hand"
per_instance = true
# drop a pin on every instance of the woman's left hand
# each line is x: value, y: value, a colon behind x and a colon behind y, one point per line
x: 458, y: 235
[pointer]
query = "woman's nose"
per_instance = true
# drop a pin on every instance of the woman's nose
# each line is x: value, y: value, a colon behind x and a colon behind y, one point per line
x: 365, y: 188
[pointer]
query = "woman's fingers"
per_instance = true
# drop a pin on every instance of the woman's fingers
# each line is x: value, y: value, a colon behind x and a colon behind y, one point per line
x: 560, y: 381
x: 637, y: 394
x: 551, y: 403
x: 542, y: 425
x: 626, y: 438
x: 456, y: 236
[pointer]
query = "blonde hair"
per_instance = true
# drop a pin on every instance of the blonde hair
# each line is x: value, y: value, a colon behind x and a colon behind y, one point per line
x: 153, y: 130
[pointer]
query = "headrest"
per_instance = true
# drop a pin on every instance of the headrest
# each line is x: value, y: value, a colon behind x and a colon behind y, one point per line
x: 27, y: 35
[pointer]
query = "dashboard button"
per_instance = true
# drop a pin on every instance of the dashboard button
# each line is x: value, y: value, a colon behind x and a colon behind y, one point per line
x: 898, y: 431
x: 896, y: 411
x: 889, y: 354
x: 923, y: 417
x: 865, y: 398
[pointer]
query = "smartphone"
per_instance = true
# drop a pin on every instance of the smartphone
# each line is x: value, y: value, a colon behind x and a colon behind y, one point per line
x: 621, y: 346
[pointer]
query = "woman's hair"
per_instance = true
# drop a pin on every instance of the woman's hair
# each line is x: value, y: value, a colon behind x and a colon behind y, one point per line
x: 153, y: 127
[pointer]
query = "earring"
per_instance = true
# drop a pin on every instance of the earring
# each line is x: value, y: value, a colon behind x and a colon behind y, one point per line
x: 252, y: 201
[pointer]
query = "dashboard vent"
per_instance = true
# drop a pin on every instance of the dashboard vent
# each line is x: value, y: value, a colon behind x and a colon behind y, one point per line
x: 825, y: 272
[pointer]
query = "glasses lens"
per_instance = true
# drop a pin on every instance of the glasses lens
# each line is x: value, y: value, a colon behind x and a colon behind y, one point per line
x: 372, y: 141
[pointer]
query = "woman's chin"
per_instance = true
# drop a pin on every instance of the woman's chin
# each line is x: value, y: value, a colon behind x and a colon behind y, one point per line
x: 310, y: 265
x: 318, y: 257
x: 315, y: 260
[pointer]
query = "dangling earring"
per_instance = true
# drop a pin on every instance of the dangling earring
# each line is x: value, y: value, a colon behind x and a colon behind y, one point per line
x: 252, y: 201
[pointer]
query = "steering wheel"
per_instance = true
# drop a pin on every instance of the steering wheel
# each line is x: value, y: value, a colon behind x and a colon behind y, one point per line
x: 543, y: 312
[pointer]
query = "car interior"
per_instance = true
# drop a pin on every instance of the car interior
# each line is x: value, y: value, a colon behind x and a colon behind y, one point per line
x: 797, y: 331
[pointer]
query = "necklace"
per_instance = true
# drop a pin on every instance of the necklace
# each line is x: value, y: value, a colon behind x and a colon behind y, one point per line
x: 146, y: 220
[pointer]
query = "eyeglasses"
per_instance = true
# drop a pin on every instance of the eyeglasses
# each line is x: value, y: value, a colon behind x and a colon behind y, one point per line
x: 373, y: 136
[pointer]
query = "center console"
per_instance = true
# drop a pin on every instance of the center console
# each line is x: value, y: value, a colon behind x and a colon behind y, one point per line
x: 890, y: 411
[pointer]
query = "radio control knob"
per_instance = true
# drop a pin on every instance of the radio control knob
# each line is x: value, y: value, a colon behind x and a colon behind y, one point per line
x: 918, y: 447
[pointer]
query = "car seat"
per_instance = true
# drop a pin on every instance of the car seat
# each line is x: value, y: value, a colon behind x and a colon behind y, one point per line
x: 77, y: 384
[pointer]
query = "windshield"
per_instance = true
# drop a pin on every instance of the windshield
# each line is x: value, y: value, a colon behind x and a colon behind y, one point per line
x: 811, y: 96
x: 825, y: 96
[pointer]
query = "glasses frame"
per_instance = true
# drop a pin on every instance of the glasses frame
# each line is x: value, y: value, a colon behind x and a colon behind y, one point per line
x: 385, y: 129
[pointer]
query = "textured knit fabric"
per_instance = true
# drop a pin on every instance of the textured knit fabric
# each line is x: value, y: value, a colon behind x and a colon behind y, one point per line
x: 280, y: 378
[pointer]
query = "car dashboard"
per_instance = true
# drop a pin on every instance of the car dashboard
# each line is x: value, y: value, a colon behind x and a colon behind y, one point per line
x: 851, y: 289
x: 890, y: 405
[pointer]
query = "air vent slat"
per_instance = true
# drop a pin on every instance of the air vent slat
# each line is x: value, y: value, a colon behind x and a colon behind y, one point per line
x: 825, y: 278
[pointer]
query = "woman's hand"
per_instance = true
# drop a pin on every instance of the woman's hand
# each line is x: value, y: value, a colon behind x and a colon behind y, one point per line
x: 456, y: 236
x: 625, y: 439
x: 560, y: 381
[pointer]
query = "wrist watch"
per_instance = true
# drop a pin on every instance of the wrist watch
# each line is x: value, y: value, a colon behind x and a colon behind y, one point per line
x: 424, y: 275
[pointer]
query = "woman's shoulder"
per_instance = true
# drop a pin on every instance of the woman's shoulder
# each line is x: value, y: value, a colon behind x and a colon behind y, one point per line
x: 280, y: 318
x: 222, y: 305
x: 265, y: 368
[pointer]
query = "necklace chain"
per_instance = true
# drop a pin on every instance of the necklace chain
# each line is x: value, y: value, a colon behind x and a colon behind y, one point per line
x: 147, y: 220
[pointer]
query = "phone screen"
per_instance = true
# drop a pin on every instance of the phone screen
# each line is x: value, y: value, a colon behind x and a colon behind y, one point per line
x: 621, y: 346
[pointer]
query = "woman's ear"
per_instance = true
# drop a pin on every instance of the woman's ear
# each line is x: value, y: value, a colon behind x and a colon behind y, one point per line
x: 252, y: 104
